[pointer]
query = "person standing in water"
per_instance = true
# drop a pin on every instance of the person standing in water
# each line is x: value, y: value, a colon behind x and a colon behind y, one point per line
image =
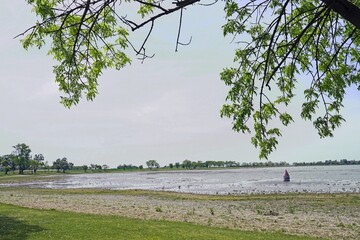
x: 286, y: 176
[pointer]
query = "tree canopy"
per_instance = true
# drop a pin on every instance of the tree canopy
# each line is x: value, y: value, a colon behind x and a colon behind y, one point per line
x: 62, y: 164
x: 20, y: 159
x: 152, y: 164
x: 279, y: 41
x: 300, y: 38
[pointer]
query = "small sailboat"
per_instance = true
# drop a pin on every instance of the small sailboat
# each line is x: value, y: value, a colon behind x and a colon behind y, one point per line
x: 286, y: 176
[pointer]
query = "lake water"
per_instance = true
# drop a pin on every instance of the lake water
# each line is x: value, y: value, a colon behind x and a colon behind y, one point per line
x: 316, y: 179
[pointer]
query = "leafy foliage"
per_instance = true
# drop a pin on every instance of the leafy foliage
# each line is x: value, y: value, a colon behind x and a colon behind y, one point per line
x: 22, y: 156
x: 86, y: 39
x: 152, y: 164
x: 278, y: 41
x: 7, y: 163
x: 62, y: 164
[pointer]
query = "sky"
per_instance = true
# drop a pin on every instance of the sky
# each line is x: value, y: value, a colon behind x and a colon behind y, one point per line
x: 166, y: 108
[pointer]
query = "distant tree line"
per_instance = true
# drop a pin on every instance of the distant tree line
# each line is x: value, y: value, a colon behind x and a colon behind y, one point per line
x: 188, y: 164
x: 103, y: 168
x: 328, y: 162
x: 129, y: 167
x: 21, y: 159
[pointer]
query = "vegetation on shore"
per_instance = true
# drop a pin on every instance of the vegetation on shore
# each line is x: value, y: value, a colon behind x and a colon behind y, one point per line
x: 20, y: 160
x: 24, y: 223
x: 168, y: 214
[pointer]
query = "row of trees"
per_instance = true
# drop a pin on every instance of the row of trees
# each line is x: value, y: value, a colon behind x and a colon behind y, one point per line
x: 21, y: 159
x: 187, y: 164
x: 328, y: 162
x: 129, y: 167
x: 93, y: 167
x: 103, y: 168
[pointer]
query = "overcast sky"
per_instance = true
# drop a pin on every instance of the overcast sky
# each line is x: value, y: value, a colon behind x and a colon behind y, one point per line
x: 165, y: 109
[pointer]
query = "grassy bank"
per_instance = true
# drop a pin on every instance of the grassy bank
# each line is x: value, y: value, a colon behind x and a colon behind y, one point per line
x: 131, y: 214
x: 24, y: 223
x: 17, y: 178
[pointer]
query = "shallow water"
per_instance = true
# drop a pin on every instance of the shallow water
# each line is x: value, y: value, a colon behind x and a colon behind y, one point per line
x: 316, y: 179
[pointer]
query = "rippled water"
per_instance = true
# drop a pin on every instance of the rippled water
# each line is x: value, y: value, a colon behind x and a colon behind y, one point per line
x: 319, y: 179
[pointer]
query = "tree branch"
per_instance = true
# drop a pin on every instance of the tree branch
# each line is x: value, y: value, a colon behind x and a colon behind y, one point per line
x: 179, y: 5
x: 346, y: 9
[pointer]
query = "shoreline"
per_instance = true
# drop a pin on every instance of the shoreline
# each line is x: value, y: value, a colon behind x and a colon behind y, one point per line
x: 333, y: 216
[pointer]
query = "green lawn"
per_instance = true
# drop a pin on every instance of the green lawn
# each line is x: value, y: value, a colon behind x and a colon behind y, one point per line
x: 24, y: 223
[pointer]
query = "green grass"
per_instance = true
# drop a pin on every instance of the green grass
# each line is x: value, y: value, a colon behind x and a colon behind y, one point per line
x: 28, y: 177
x: 24, y: 223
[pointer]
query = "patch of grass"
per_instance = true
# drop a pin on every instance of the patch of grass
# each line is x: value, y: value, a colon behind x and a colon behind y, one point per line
x: 291, y: 209
x: 158, y: 209
x: 28, y: 177
x: 24, y: 223
x: 340, y: 223
x: 191, y: 212
x: 212, y: 212
x: 259, y: 209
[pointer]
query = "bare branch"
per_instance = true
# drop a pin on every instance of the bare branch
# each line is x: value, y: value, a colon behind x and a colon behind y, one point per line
x: 179, y: 6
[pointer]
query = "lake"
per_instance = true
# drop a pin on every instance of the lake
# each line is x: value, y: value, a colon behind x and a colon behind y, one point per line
x: 314, y: 179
